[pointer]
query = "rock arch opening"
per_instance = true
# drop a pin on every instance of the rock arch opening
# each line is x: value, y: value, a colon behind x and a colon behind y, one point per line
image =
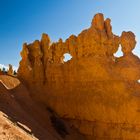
x: 119, y: 53
x: 67, y: 57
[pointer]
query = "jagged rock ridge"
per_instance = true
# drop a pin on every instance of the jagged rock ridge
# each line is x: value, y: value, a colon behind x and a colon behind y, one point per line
x: 95, y: 91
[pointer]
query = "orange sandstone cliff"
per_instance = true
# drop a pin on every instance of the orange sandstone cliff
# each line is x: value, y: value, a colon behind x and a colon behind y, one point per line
x: 95, y: 92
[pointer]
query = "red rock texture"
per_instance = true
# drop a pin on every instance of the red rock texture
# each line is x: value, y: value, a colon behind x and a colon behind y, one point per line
x: 95, y: 91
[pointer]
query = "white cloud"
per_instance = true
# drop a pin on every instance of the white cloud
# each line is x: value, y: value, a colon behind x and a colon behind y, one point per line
x: 6, y: 67
x: 3, y: 66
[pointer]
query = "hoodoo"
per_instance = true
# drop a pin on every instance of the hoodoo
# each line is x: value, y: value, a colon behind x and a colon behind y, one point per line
x: 95, y: 92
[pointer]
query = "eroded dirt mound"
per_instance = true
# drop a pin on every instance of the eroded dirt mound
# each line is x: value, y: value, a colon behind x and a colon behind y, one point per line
x: 9, y: 82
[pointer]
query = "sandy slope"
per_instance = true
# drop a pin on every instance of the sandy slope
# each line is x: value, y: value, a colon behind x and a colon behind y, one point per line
x: 10, y: 131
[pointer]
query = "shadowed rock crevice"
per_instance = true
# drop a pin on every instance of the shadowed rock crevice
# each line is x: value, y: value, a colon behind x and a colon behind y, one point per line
x: 59, y: 126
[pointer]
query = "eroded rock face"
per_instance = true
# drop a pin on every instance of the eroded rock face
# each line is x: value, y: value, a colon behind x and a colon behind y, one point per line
x: 95, y: 91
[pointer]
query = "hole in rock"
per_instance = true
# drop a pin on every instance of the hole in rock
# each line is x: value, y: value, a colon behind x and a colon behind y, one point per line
x: 67, y: 57
x: 138, y: 81
x: 119, y: 53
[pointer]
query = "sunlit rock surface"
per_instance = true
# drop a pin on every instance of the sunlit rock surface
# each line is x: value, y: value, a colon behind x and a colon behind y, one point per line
x: 95, y: 91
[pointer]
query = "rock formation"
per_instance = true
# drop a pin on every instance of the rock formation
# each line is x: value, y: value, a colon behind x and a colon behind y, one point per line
x: 10, y: 70
x: 96, y: 92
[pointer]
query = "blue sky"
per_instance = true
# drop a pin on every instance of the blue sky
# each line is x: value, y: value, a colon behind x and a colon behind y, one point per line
x: 25, y: 20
